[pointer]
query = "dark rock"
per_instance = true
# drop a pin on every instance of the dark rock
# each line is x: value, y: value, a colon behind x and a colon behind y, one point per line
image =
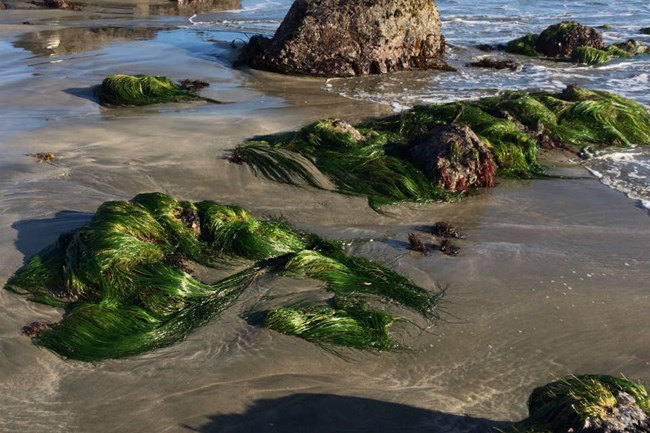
x: 455, y: 158
x: 351, y: 37
x: 416, y: 244
x: 448, y: 248
x: 56, y: 4
x: 3, y: 6
x: 444, y: 229
x: 645, y: 31
x: 493, y: 63
x: 561, y: 39
x: 487, y: 48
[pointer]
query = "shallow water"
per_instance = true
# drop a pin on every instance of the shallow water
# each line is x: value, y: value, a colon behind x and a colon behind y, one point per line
x: 551, y: 280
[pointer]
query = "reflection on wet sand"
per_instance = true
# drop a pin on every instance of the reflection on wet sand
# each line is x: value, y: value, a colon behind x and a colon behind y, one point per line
x: 74, y: 40
x: 142, y: 8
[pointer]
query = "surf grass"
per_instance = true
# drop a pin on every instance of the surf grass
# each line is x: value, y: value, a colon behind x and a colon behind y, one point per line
x: 121, y: 89
x: 565, y: 404
x: 373, y: 162
x: 124, y: 283
x: 349, y: 322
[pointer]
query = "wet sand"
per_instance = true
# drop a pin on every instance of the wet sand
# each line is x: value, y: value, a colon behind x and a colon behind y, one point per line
x: 551, y: 280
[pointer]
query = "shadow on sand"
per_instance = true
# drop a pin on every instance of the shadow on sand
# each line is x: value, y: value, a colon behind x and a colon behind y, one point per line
x: 320, y: 413
x: 36, y: 234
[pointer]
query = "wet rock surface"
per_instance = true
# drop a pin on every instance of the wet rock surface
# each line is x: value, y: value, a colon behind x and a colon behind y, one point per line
x: 348, y: 38
x: 455, y: 158
x: 561, y: 39
x: 494, y: 63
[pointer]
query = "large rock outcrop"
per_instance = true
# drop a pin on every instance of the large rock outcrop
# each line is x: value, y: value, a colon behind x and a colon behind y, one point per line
x: 351, y: 37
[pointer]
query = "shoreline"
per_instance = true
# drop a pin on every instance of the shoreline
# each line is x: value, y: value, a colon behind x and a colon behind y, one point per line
x: 542, y: 256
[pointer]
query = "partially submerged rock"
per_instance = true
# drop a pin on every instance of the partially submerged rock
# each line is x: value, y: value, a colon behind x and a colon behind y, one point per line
x: 380, y: 159
x: 561, y: 39
x: 570, y: 41
x: 124, y: 280
x: 645, y: 31
x: 587, y: 404
x: 352, y: 37
x: 494, y: 63
x: 121, y: 89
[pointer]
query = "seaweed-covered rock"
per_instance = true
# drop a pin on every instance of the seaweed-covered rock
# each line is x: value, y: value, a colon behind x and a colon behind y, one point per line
x: 351, y: 37
x: 588, y: 404
x: 125, y: 280
x: 570, y: 41
x: 374, y: 158
x: 561, y: 39
x: 455, y: 158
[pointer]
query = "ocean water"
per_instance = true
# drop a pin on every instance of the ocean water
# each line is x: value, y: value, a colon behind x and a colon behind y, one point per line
x: 466, y: 24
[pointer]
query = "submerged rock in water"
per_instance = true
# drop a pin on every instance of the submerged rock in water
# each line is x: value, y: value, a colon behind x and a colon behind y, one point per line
x: 493, y: 63
x: 561, y: 39
x: 352, y: 37
x: 645, y: 31
x: 455, y: 158
x: 587, y: 404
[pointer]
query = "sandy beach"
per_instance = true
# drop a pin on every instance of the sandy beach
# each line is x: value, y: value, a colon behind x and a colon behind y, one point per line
x: 551, y: 280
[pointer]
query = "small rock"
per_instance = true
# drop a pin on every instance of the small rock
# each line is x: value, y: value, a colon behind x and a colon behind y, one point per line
x: 443, y: 229
x: 455, y: 158
x: 448, y: 248
x: 490, y: 62
x: 416, y: 244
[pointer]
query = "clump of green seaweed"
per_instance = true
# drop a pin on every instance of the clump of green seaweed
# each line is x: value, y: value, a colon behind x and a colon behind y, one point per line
x: 588, y: 403
x: 372, y: 158
x: 124, y: 282
x: 532, y: 45
x: 121, y: 89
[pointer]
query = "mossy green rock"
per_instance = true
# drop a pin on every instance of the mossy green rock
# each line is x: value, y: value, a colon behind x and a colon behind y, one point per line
x: 588, y: 404
x: 570, y: 41
x: 373, y: 158
x: 120, y: 89
x: 124, y: 279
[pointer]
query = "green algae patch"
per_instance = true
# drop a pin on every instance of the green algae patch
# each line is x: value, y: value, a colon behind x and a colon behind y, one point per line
x: 375, y: 159
x: 524, y: 45
x: 125, y: 282
x: 347, y: 322
x: 121, y: 89
x: 587, y: 403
